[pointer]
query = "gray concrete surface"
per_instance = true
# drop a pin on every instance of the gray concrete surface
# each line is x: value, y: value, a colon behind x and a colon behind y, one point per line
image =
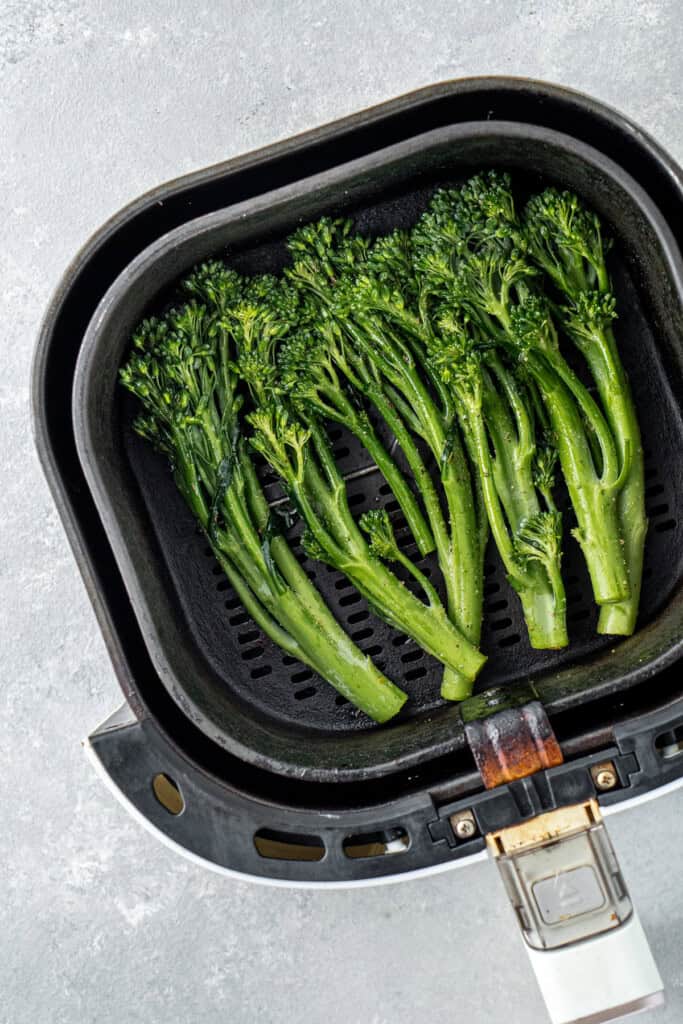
x: 98, y: 922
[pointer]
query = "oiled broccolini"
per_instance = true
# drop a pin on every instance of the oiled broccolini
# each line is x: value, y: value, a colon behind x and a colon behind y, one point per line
x: 449, y: 337
x: 182, y: 371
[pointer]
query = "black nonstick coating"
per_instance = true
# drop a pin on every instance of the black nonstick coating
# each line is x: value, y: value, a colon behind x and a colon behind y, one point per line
x: 228, y: 678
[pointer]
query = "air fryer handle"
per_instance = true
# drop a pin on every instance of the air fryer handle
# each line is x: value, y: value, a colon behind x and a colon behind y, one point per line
x: 599, y: 979
x: 585, y: 942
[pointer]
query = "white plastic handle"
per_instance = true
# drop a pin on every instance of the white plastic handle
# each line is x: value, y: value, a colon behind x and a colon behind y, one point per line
x: 599, y: 979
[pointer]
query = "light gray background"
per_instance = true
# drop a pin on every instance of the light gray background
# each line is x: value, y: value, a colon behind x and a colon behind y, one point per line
x: 99, y: 922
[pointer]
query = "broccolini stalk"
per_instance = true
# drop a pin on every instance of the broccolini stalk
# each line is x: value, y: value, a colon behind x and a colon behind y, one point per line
x: 524, y: 472
x: 396, y: 291
x: 493, y: 281
x: 495, y: 415
x: 593, y: 489
x: 495, y: 412
x: 301, y: 455
x: 357, y: 286
x: 460, y: 556
x: 183, y: 373
x: 565, y: 240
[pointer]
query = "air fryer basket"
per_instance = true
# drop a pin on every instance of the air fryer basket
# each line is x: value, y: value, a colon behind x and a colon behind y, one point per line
x: 229, y: 679
x: 228, y: 801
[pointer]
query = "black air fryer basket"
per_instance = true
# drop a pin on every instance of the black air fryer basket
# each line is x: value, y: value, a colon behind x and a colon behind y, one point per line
x: 277, y: 775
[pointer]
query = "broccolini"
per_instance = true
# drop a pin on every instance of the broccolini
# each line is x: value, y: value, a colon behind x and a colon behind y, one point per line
x: 449, y: 335
x: 565, y: 240
x: 182, y: 370
x: 260, y: 318
x: 361, y: 288
x: 497, y: 285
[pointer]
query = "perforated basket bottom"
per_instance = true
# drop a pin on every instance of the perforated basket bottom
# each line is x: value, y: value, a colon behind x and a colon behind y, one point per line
x: 281, y: 688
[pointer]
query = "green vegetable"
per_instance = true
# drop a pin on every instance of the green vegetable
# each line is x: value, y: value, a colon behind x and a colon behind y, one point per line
x: 496, y: 285
x: 444, y: 337
x: 407, y: 286
x: 301, y: 455
x: 323, y: 375
x: 285, y: 371
x: 460, y: 263
x: 183, y: 371
x: 586, y: 448
x: 364, y: 291
x: 314, y: 368
x: 275, y: 354
x: 565, y: 240
x: 527, y: 528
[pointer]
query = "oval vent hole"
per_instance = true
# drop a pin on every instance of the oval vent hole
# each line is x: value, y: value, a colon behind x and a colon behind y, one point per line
x: 261, y: 671
x: 251, y: 653
x: 416, y: 673
x: 239, y: 619
x: 377, y: 844
x: 167, y: 793
x: 288, y: 846
x: 669, y: 744
x: 372, y: 651
x: 362, y: 634
x: 306, y: 693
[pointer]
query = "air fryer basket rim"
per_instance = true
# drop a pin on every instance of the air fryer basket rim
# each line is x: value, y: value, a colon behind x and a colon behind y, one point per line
x: 448, y: 735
